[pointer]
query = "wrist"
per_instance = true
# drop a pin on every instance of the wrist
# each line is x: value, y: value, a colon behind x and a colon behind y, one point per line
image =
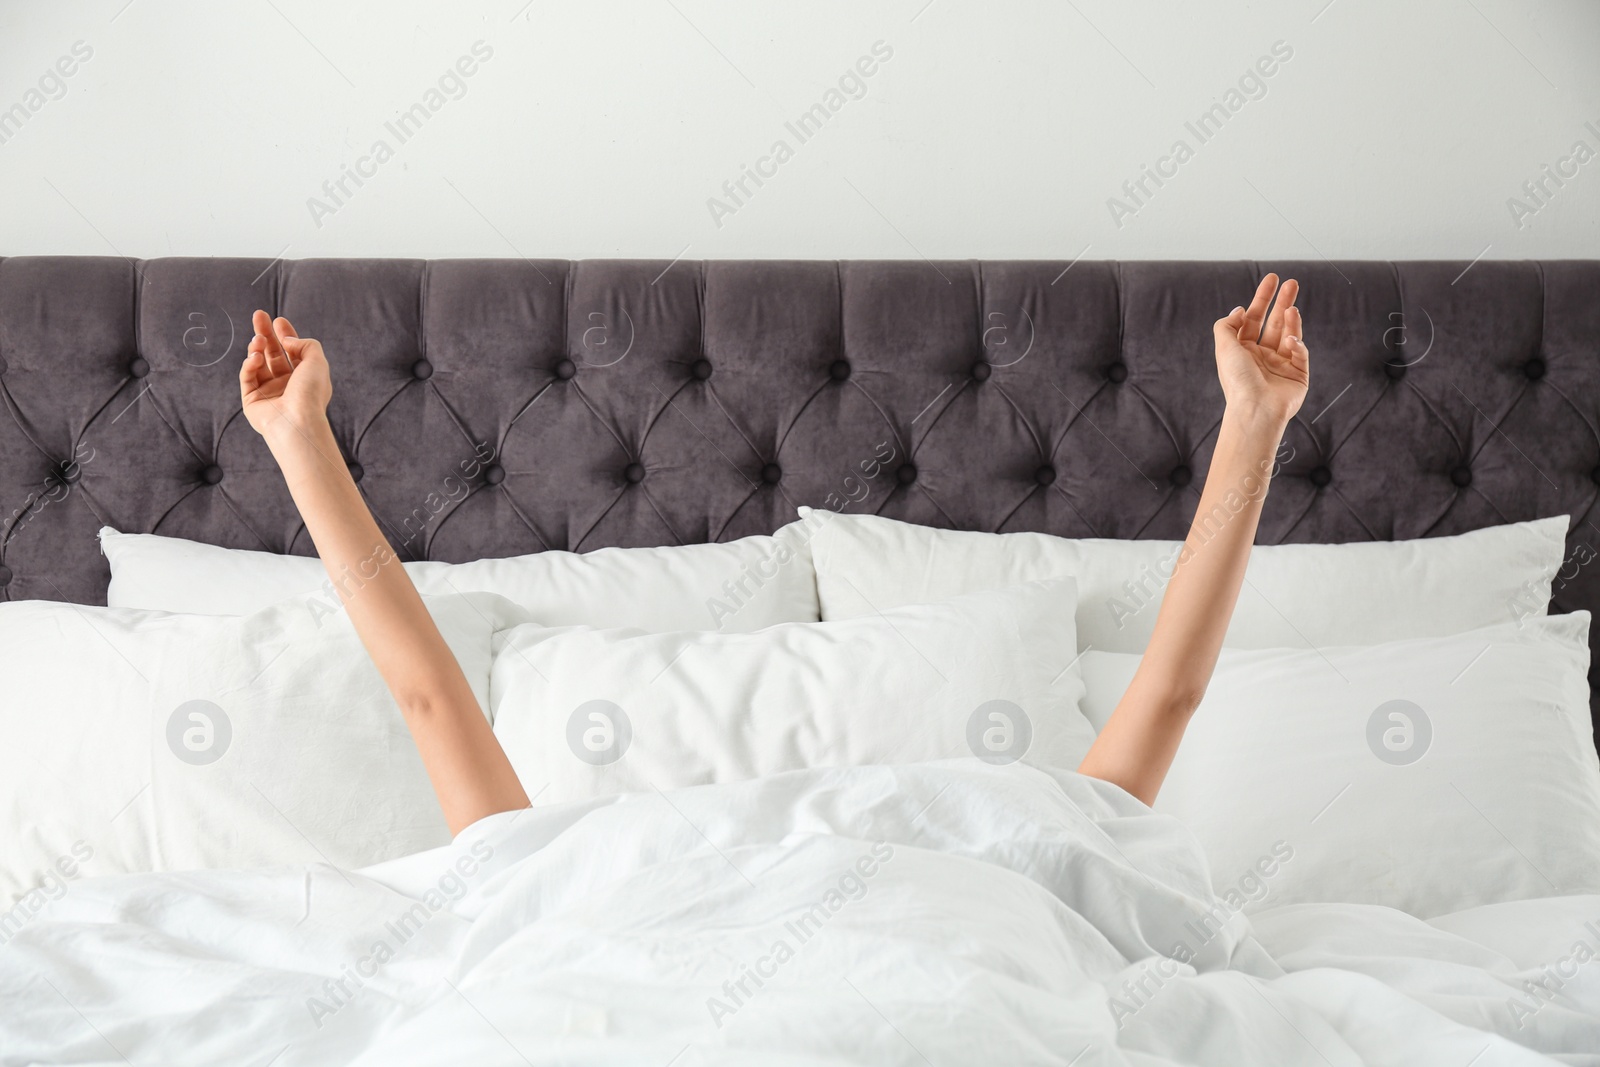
x: 289, y: 433
x: 1255, y: 421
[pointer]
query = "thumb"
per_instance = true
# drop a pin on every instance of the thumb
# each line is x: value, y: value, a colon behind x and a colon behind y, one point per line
x: 1227, y: 327
x: 301, y: 349
x: 297, y: 348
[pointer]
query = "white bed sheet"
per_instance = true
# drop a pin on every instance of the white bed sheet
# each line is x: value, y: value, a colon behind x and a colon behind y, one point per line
x: 960, y: 913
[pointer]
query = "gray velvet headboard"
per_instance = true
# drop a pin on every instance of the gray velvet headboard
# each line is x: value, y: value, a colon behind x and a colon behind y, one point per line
x: 494, y: 407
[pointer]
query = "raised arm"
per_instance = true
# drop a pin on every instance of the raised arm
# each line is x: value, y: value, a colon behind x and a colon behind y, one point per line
x: 285, y: 387
x: 1264, y: 368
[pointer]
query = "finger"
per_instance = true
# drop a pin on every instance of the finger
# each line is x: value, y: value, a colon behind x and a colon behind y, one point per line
x: 277, y: 361
x: 287, y: 344
x: 261, y: 323
x: 1276, y: 320
x: 1288, y: 332
x: 1293, y: 348
x: 288, y: 339
x: 1255, y: 315
x: 1300, y: 357
x: 250, y: 370
x: 1293, y: 330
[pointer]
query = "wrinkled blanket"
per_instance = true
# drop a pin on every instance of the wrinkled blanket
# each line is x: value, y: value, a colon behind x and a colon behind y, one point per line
x: 949, y: 913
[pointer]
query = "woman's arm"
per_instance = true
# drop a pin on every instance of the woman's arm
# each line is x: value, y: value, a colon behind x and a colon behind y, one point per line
x: 1264, y: 368
x: 285, y: 387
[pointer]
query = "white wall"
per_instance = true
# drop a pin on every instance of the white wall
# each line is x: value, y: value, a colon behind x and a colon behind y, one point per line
x: 995, y: 130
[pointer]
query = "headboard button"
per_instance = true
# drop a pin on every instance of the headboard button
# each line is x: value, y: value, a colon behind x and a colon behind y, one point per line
x: 634, y: 473
x: 772, y: 474
x: 1534, y: 369
x: 211, y: 475
x: 840, y: 370
x: 494, y: 474
x: 68, y: 472
x: 138, y: 367
x: 1461, y: 476
x: 1321, y: 477
x: 356, y: 470
x: 5, y: 575
x: 422, y: 370
x: 1045, y: 475
x: 906, y: 474
x: 565, y: 369
x: 1395, y: 371
x: 1117, y: 372
x: 1594, y: 475
x: 1180, y: 476
x: 701, y: 369
x: 981, y: 371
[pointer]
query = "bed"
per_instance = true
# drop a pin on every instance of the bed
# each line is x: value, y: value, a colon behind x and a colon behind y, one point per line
x: 491, y: 409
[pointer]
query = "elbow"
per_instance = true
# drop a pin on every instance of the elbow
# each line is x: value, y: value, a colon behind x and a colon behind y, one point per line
x: 1183, y: 701
x: 1169, y: 699
x: 419, y: 704
x: 438, y: 707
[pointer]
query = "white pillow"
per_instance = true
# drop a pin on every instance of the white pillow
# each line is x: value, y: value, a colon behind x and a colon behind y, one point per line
x: 1299, y: 596
x: 1313, y: 776
x: 142, y: 740
x: 735, y: 586
x: 586, y: 713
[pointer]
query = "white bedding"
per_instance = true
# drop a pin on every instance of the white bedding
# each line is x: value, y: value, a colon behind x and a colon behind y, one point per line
x: 961, y: 913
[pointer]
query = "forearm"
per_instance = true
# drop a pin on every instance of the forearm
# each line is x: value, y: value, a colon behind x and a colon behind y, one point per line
x: 1138, y: 744
x: 347, y: 538
x: 469, y: 771
x: 1200, y: 598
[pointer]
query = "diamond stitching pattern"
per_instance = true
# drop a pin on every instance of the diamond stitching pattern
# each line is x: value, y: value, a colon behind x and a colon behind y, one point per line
x: 708, y: 374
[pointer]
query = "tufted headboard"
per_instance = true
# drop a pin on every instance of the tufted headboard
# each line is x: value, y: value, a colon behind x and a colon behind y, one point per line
x: 495, y: 407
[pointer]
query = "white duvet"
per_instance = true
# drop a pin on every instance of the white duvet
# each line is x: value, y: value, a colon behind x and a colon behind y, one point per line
x: 950, y: 913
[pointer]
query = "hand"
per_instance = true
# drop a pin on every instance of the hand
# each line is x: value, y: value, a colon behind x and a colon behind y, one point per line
x: 284, y: 376
x: 1264, y: 367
